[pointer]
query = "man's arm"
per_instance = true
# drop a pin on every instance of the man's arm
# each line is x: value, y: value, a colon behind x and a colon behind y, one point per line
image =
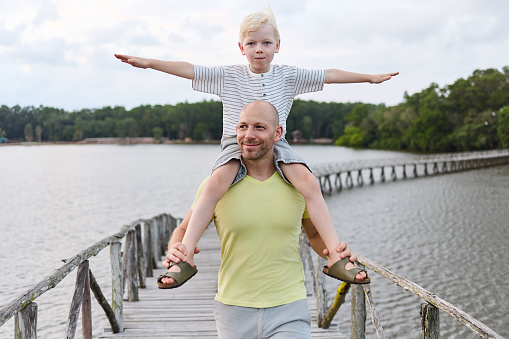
x: 336, y: 76
x: 176, y: 250
x: 177, y: 68
x: 318, y: 245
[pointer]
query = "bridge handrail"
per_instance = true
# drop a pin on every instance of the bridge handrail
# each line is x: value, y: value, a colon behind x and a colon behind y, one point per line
x: 326, y: 314
x: 139, y: 258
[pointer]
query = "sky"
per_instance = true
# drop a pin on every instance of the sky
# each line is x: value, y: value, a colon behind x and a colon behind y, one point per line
x: 59, y: 53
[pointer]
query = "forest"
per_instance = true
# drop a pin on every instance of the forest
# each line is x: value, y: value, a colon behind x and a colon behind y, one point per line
x: 470, y: 114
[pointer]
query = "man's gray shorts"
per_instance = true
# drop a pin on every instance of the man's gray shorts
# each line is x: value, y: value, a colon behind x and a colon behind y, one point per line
x: 283, y: 153
x: 289, y: 321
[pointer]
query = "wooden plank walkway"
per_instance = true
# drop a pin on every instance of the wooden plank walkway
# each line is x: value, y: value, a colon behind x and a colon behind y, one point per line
x: 188, y: 312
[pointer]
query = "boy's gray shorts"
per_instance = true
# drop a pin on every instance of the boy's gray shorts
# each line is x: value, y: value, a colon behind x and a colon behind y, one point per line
x: 283, y: 152
x: 288, y: 321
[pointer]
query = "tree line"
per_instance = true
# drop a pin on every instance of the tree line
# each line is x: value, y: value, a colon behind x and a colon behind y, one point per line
x: 470, y: 114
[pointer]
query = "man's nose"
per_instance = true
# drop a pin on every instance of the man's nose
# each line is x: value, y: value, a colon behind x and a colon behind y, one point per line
x: 250, y: 133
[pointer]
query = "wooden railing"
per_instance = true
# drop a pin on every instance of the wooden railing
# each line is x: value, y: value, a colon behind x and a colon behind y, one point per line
x: 141, y: 254
x: 361, y: 295
x: 145, y: 243
x: 335, y: 176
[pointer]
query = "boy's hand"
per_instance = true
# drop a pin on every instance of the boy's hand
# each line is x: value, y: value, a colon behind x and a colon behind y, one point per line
x: 379, y: 78
x: 133, y: 61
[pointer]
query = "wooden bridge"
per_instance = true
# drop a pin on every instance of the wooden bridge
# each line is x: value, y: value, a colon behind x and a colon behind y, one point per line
x: 139, y: 310
x: 334, y: 176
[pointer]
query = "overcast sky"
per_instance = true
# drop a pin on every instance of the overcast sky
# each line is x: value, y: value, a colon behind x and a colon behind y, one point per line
x: 59, y: 53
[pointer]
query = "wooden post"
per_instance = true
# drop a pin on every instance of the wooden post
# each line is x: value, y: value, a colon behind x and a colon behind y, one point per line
x: 374, y: 316
x: 117, y: 284
x: 320, y: 291
x: 156, y: 247
x: 94, y: 286
x: 358, y: 317
x: 430, y: 321
x: 77, y: 299
x: 132, y: 270
x: 86, y: 312
x: 335, y: 305
x: 25, y: 322
x: 141, y: 262
x: 149, y: 257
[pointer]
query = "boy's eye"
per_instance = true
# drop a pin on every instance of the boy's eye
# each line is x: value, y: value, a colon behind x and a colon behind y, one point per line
x: 250, y: 43
x: 267, y: 43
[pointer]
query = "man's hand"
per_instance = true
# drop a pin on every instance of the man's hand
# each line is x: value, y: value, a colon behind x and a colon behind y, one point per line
x: 133, y: 61
x: 343, y: 251
x: 176, y: 253
x: 379, y: 78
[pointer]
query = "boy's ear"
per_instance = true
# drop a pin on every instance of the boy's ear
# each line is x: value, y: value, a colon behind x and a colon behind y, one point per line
x: 278, y: 45
x: 242, y: 49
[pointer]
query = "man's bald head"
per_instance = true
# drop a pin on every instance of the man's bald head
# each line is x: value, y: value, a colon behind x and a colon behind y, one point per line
x: 264, y: 109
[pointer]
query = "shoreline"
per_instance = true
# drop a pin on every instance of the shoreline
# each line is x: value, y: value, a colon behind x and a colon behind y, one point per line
x: 148, y: 140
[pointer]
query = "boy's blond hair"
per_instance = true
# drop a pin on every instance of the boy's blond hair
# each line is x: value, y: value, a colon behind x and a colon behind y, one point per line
x: 253, y: 22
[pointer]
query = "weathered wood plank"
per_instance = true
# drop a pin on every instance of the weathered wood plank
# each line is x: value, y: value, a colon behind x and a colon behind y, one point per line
x: 25, y: 322
x: 77, y: 299
x: 86, y: 309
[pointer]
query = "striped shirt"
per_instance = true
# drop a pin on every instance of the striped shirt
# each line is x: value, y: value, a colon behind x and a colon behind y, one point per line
x: 237, y: 86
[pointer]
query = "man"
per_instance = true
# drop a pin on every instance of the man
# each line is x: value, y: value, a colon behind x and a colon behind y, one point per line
x: 261, y: 291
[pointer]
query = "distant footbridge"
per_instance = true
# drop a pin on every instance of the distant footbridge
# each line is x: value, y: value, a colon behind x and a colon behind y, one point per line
x: 335, y: 176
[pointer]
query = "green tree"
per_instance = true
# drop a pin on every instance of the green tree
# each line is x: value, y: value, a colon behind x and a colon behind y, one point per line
x: 127, y: 128
x: 38, y: 133
x: 78, y: 129
x: 29, y: 132
x: 307, y: 127
x: 158, y: 133
x: 201, y: 131
x: 503, y: 127
x: 353, y: 137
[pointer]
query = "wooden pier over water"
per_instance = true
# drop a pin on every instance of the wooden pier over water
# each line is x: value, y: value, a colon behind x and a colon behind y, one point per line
x: 139, y: 310
x: 334, y: 176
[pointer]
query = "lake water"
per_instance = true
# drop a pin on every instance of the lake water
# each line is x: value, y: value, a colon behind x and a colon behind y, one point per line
x: 447, y: 233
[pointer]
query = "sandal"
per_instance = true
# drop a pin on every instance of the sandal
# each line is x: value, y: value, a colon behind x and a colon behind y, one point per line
x: 338, y: 271
x: 186, y: 272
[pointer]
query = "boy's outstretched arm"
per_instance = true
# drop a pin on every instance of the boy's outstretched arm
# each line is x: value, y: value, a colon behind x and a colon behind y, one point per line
x: 177, y: 68
x: 336, y: 76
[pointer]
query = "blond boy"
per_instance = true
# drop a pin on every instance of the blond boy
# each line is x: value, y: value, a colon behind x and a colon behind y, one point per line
x: 237, y: 86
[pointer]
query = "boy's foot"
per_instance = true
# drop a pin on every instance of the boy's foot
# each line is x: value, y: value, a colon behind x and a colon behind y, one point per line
x: 347, y: 271
x: 177, y: 275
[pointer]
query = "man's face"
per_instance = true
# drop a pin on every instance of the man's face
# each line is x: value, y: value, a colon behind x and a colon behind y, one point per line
x: 257, y: 130
x: 259, y: 48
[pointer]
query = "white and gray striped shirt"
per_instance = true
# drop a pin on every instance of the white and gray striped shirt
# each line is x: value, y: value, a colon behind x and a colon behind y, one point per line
x: 237, y: 86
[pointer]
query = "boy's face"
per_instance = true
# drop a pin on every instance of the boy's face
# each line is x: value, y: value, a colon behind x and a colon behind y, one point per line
x: 259, y: 48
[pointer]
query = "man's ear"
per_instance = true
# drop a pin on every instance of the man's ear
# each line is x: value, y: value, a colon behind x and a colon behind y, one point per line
x: 242, y: 49
x: 278, y: 134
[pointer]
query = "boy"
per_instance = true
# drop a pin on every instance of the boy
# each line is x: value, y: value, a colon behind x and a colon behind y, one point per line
x: 237, y: 86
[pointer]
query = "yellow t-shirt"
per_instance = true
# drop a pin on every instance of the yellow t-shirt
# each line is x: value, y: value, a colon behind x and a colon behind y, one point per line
x: 258, y: 224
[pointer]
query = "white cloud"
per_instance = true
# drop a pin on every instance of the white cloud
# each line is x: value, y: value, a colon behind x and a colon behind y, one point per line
x: 68, y: 46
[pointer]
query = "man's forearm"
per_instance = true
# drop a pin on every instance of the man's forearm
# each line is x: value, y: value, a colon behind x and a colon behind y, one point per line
x: 314, y: 238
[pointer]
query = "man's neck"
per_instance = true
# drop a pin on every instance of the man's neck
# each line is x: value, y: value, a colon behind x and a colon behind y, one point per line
x: 261, y: 169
